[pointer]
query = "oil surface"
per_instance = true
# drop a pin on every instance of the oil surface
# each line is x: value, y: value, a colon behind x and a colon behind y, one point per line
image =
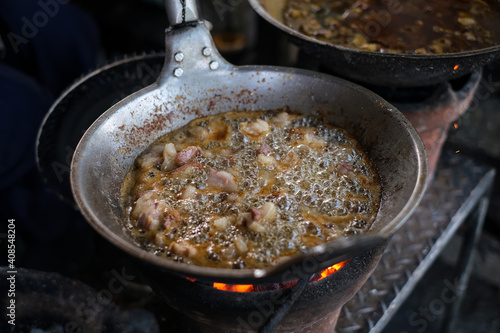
x: 316, y: 179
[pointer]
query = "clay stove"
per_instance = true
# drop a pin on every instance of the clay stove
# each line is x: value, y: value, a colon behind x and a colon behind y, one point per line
x: 302, y: 304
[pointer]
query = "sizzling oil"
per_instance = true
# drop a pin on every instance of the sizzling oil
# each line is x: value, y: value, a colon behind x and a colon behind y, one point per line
x: 319, y: 193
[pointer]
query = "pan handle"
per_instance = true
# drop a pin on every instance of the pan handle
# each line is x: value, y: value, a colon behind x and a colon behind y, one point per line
x: 181, y: 11
x: 190, y: 52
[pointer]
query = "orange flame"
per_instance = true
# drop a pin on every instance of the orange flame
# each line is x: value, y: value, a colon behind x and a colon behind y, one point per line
x: 239, y: 288
x: 456, y: 67
x: 332, y: 269
x: 247, y: 288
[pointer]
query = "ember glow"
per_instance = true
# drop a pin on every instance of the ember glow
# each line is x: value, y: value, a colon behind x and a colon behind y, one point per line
x: 247, y: 288
x: 456, y: 67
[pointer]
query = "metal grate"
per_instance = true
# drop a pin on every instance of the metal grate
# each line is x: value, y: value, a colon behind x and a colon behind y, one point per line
x: 458, y: 185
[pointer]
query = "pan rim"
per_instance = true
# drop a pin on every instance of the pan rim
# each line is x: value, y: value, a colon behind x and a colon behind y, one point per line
x: 228, y: 274
x: 257, y: 6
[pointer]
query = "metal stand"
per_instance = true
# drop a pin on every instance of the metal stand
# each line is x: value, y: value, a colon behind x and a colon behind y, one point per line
x: 457, y: 197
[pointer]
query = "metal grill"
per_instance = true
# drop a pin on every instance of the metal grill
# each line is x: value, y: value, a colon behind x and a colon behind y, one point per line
x: 456, y: 190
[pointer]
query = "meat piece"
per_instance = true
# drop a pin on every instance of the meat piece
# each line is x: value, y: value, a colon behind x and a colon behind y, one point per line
x: 223, y: 180
x: 266, y: 213
x: 151, y: 213
x: 344, y: 168
x: 186, y: 169
x: 291, y: 159
x: 186, y: 155
x: 199, y: 133
x: 256, y: 227
x: 257, y: 217
x: 240, y: 244
x: 222, y: 223
x: 266, y: 160
x: 148, y: 211
x: 151, y: 158
x: 171, y: 218
x: 264, y: 149
x: 313, y: 141
x: 255, y: 128
x: 149, y: 219
x: 244, y: 218
x: 169, y: 153
x: 145, y: 199
x: 183, y: 248
x: 283, y: 118
x: 187, y: 192
x: 247, y: 220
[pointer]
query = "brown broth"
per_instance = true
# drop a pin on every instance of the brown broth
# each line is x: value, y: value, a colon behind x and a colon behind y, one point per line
x: 399, y: 26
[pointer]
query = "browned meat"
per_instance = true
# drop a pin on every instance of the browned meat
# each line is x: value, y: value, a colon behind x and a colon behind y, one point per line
x: 223, y: 180
x: 186, y: 155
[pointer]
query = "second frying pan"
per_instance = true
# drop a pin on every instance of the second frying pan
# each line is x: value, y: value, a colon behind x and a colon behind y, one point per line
x: 375, y: 68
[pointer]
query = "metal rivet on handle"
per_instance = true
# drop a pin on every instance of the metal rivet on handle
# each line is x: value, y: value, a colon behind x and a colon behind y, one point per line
x: 178, y: 72
x: 214, y: 65
x: 179, y: 56
x: 207, y: 51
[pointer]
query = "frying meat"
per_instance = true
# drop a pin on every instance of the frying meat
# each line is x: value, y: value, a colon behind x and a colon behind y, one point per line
x: 247, y: 189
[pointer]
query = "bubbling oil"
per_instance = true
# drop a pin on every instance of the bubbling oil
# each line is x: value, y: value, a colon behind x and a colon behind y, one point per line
x: 321, y: 183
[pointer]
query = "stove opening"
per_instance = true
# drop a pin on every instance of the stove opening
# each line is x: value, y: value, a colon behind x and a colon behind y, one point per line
x: 248, y: 288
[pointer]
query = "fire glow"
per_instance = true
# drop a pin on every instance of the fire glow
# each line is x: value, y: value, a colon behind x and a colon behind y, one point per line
x: 247, y: 288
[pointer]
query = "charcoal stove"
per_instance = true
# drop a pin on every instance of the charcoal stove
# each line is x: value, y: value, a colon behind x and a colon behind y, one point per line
x: 391, y: 282
x: 373, y: 306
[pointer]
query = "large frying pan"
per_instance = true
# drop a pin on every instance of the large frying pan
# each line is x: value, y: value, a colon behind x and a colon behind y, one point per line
x: 375, y: 68
x: 196, y: 81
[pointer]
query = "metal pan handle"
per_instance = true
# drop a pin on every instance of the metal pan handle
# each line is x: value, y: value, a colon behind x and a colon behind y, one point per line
x: 181, y: 11
x: 190, y: 52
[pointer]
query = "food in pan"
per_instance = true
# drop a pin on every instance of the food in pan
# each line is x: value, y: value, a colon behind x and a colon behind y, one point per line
x: 399, y: 26
x: 245, y: 189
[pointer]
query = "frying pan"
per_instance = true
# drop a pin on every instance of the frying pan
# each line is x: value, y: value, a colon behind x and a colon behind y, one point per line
x: 375, y: 68
x: 196, y: 81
